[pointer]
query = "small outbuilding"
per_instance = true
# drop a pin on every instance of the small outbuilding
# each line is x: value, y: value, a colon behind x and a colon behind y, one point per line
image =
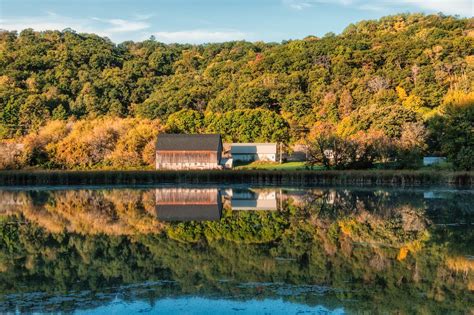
x: 433, y: 160
x: 188, y: 152
x: 253, y: 152
x: 246, y: 199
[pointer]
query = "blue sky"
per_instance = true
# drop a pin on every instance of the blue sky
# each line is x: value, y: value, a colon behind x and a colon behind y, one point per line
x: 203, y: 21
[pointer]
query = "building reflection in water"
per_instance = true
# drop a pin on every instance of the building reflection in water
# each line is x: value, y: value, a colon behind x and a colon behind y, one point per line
x: 205, y: 204
x: 253, y: 199
x: 188, y: 204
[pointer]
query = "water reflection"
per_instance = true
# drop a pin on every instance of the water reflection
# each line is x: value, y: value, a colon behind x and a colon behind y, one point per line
x: 205, y: 204
x: 188, y: 204
x: 340, y: 249
x: 254, y: 199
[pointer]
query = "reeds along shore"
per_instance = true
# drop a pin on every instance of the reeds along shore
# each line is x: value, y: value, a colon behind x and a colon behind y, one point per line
x: 254, y: 177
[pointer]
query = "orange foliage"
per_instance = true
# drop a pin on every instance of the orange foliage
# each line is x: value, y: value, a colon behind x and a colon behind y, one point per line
x: 403, y: 253
x: 460, y: 264
x: 102, y: 142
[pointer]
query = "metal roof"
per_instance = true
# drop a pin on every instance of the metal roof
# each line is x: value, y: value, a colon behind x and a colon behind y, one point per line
x: 253, y: 148
x: 183, y: 142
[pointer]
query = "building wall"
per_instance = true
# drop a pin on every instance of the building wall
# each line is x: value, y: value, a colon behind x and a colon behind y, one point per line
x: 433, y: 160
x: 254, y: 157
x: 187, y: 160
x: 188, y: 166
x: 184, y: 196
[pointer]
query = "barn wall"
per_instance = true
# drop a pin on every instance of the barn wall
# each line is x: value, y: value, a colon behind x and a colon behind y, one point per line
x: 183, y: 196
x: 183, y: 160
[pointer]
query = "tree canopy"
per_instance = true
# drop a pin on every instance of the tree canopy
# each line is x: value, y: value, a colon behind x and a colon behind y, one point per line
x: 378, y: 74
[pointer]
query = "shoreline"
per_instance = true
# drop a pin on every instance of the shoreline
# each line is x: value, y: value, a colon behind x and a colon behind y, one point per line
x: 387, y: 178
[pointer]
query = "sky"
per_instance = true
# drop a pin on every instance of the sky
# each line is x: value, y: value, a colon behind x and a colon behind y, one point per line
x: 193, y: 21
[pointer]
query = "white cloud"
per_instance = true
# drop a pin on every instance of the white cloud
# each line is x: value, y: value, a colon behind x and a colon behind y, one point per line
x: 199, y: 36
x: 121, y: 25
x: 119, y: 29
x: 298, y: 5
x: 304, y: 4
x: 115, y: 29
x: 461, y: 7
x: 140, y: 17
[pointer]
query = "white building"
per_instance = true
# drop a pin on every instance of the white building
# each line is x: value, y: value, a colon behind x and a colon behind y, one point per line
x: 254, y: 151
x: 433, y: 160
x: 253, y: 199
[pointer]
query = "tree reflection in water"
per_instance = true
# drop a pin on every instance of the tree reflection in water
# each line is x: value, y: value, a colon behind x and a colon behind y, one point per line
x: 352, y: 249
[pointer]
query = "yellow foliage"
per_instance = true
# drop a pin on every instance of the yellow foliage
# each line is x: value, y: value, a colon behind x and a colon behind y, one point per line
x: 402, y: 254
x: 470, y: 60
x: 6, y: 81
x: 106, y: 141
x: 44, y: 140
x: 114, y: 212
x: 460, y: 264
x: 101, y: 142
x: 53, y: 131
x: 459, y: 98
x: 399, y: 26
x: 130, y: 148
x: 415, y: 104
x: 470, y: 285
x: 347, y: 226
x: 346, y: 127
x: 402, y: 94
x: 411, y: 247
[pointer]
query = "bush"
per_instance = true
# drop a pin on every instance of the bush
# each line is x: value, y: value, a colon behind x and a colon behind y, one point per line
x: 40, y: 146
x: 130, y: 148
x: 102, y: 142
x: 358, y: 151
x: 10, y: 156
x: 457, y: 138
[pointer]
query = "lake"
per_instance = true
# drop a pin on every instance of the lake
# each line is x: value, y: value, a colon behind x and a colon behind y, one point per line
x: 236, y: 250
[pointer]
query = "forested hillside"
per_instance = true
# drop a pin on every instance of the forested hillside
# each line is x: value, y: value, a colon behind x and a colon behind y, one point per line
x: 407, y: 77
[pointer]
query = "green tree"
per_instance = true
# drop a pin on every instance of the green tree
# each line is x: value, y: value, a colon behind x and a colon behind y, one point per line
x: 249, y: 125
x: 185, y: 121
x: 457, y: 135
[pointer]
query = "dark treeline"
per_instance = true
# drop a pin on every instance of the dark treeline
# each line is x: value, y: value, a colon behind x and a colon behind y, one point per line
x: 395, y: 178
x: 405, y: 78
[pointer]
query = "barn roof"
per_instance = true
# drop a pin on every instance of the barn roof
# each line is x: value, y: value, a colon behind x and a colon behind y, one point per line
x: 182, y: 142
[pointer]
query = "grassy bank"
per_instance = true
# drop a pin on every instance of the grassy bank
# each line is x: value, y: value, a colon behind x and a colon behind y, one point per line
x: 264, y: 165
x: 255, y: 177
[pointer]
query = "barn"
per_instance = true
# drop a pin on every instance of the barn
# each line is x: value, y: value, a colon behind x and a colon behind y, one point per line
x: 253, y: 151
x: 188, y: 152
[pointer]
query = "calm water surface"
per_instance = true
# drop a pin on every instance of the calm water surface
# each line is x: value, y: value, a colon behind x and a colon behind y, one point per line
x: 236, y: 250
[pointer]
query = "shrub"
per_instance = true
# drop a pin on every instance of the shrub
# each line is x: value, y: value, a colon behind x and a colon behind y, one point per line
x: 130, y: 148
x: 101, y: 142
x: 89, y: 142
x: 40, y: 146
